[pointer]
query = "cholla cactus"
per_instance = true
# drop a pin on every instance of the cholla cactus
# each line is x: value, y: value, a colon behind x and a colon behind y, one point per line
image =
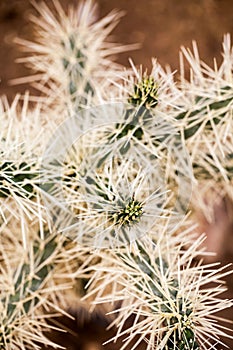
x: 21, y: 146
x: 72, y: 53
x: 117, y: 206
x: 116, y: 176
x: 161, y: 291
x: 28, y: 291
x: 207, y: 124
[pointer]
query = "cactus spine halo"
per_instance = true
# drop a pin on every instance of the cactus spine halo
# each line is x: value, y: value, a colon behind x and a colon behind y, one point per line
x: 116, y: 205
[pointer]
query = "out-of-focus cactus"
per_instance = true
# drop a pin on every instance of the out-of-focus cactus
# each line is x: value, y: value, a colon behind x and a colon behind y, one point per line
x: 27, y: 287
x: 72, y: 53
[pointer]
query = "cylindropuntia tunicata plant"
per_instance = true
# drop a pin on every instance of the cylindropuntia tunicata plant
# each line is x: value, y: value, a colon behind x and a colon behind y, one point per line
x: 106, y: 193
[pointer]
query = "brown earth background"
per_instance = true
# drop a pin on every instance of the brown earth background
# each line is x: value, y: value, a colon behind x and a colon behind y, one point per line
x: 161, y: 27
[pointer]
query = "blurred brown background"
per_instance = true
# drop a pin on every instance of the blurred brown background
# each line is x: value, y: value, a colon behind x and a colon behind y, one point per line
x: 161, y: 27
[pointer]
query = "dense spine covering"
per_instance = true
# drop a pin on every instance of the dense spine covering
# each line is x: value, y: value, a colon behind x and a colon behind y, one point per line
x: 118, y: 188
